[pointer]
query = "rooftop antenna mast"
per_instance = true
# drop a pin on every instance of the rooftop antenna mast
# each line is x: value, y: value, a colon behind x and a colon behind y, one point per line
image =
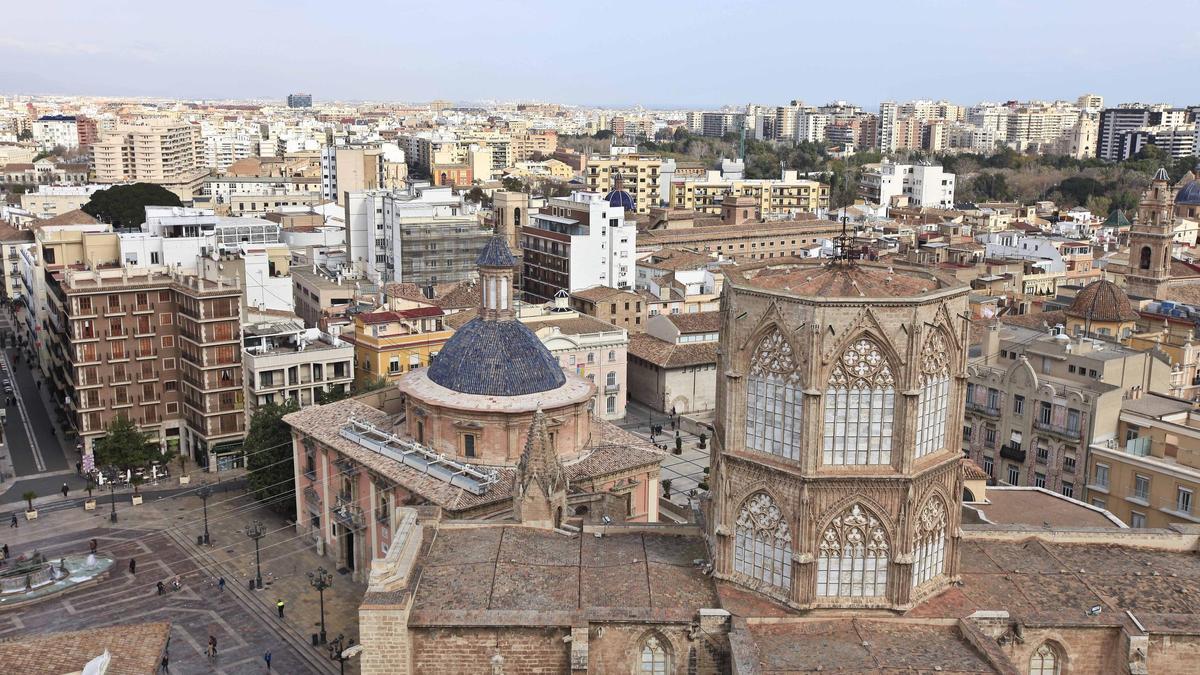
x: 841, y: 243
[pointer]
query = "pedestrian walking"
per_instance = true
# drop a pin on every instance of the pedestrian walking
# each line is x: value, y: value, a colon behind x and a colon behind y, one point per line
x: 4, y: 549
x: 221, y: 584
x: 65, y: 490
x: 279, y: 607
x: 13, y: 523
x: 92, y: 546
x: 79, y: 468
x: 267, y: 658
x: 166, y: 663
x: 133, y: 565
x: 162, y: 590
x: 212, y: 647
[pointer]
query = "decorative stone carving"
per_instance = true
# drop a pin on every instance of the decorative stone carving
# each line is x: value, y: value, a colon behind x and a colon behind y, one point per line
x: 862, y: 366
x: 773, y: 356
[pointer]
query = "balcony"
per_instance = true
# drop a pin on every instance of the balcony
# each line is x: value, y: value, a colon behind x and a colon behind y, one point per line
x: 612, y: 388
x: 311, y: 496
x: 1062, y: 432
x: 1013, y: 452
x: 983, y: 409
x: 346, y: 512
x: 346, y: 467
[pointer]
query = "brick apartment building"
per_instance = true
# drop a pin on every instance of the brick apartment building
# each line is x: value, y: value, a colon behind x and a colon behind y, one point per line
x: 162, y: 350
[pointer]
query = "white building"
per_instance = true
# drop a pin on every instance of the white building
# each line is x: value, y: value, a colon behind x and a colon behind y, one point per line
x: 577, y: 242
x: 1052, y: 254
x: 283, y: 361
x: 921, y: 184
x: 51, y: 131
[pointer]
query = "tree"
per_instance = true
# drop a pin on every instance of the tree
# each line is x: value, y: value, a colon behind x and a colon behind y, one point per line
x: 29, y: 496
x: 25, y: 135
x: 335, y: 394
x: 125, y: 205
x: 603, y: 134
x: 269, y: 463
x: 513, y: 184
x: 126, y: 448
x: 1078, y: 189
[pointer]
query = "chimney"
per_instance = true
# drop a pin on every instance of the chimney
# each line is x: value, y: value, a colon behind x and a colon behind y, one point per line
x: 991, y: 343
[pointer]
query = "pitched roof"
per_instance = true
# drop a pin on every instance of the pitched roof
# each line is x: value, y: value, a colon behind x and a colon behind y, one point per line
x: 667, y: 355
x: 12, y: 234
x: 1102, y: 301
x: 135, y: 648
x: 696, y: 322
x: 73, y: 217
x: 496, y: 254
x: 600, y: 293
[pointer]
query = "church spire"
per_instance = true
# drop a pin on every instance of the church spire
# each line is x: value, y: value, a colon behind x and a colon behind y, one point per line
x: 496, y: 263
x: 540, y: 492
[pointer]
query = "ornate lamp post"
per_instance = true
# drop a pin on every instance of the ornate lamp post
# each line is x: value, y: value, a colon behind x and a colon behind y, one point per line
x: 110, y: 474
x: 320, y: 581
x: 336, y: 653
x: 255, y: 531
x: 205, y: 492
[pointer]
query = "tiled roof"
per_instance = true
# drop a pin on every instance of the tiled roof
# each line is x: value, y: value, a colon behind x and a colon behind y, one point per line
x: 600, y: 293
x: 12, y: 234
x: 457, y: 295
x: 75, y: 217
x: 496, y: 254
x: 401, y: 314
x: 612, y: 450
x: 1036, y: 320
x: 667, y: 355
x: 1031, y: 506
x: 135, y: 649
x: 1102, y: 301
x: 844, y: 281
x: 696, y: 322
x: 972, y: 471
x: 496, y: 358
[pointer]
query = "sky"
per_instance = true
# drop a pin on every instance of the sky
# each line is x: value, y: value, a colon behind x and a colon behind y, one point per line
x: 654, y: 53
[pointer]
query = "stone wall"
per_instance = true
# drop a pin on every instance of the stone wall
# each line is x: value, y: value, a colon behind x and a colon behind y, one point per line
x: 474, y: 651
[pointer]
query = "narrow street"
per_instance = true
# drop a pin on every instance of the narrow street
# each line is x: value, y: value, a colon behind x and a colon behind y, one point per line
x: 685, y: 470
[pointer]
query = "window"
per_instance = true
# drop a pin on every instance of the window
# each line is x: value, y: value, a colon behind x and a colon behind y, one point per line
x: 1018, y: 404
x: 1137, y: 519
x: 168, y: 341
x: 1039, y: 480
x: 611, y: 405
x: 394, y: 365
x: 859, y: 405
x: 591, y: 357
x: 114, y: 301
x: 468, y: 445
x: 1044, y: 412
x: 934, y: 400
x: 612, y: 356
x: 1068, y: 489
x: 611, y: 379
x: 170, y: 385
x: 989, y: 436
x: 773, y: 399
x: 993, y: 399
x: 1069, y: 464
x: 1044, y: 660
x: 1183, y: 500
x: 967, y: 433
x: 654, y: 659
x: 168, y: 364
x: 1014, y: 474
x: 1099, y: 503
x: 763, y: 543
x: 989, y: 465
x: 1072, y: 420
x: 1101, y: 476
x: 1141, y: 487
x: 853, y: 556
x: 930, y: 547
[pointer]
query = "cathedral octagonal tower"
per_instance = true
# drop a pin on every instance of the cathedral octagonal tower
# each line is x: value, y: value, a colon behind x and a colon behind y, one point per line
x: 836, y: 463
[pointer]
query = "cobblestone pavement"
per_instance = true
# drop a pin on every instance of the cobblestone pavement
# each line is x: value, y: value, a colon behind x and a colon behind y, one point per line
x: 161, y: 535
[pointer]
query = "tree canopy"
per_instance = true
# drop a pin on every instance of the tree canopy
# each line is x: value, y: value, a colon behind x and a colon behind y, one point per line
x: 126, y: 447
x: 125, y: 205
x: 269, y: 463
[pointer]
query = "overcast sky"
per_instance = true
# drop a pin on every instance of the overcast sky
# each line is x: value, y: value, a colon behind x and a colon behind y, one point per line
x: 657, y: 53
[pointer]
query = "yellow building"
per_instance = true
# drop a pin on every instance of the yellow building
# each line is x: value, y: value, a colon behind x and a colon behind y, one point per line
x: 1149, y: 474
x: 550, y: 168
x: 633, y: 173
x: 391, y: 343
x: 790, y: 194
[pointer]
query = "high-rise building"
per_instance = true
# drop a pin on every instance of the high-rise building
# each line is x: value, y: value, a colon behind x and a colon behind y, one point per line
x: 160, y: 151
x: 579, y: 241
x: 51, y: 131
x: 888, y: 115
x: 299, y: 100
x: 357, y: 169
x: 923, y: 184
x: 1114, y: 122
x: 637, y: 174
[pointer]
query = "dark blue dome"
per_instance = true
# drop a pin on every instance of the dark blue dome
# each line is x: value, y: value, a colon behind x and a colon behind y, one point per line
x: 1190, y: 194
x: 622, y: 199
x: 496, y: 358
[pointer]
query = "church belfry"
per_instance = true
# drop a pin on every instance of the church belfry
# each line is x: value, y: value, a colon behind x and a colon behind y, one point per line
x: 1150, y: 239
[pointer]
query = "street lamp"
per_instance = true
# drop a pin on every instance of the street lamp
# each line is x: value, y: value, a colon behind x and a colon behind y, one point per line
x: 320, y: 581
x: 205, y: 492
x: 255, y: 531
x: 336, y: 653
x: 110, y: 474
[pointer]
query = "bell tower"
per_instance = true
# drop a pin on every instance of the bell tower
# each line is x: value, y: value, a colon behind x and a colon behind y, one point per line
x: 1150, y: 239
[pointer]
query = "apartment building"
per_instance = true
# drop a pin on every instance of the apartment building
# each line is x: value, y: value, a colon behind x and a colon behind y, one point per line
x: 49, y: 201
x: 679, y: 282
x: 578, y: 241
x: 423, y: 235
x: 284, y: 361
x: 391, y: 343
x: 673, y: 365
x: 161, y: 349
x: 739, y: 237
x: 1035, y: 125
x: 1069, y: 259
x: 1148, y: 474
x: 12, y: 243
x: 923, y: 184
x: 53, y: 131
x: 165, y: 152
x: 1036, y: 401
x: 634, y: 173
x: 789, y: 194
x: 357, y: 169
x: 1115, y: 122
x: 620, y: 307
x: 318, y: 293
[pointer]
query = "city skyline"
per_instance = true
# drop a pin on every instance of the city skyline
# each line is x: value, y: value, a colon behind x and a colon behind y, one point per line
x: 570, y: 54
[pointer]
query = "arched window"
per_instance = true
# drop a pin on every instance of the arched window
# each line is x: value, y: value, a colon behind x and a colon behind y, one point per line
x: 1144, y: 259
x: 859, y: 405
x: 853, y: 558
x: 763, y: 543
x: 1044, y: 660
x: 929, y: 549
x: 773, y: 399
x: 935, y: 395
x: 654, y: 658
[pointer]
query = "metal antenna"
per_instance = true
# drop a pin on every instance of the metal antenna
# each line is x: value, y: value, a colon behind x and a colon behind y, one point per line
x: 841, y: 243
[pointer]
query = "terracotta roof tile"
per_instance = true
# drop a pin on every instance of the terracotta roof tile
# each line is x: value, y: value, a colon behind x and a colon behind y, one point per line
x: 696, y: 322
x: 75, y: 217
x: 666, y: 355
x: 136, y: 649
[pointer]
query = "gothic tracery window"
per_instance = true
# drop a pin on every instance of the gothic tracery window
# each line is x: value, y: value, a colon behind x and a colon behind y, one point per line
x: 1044, y: 661
x: 929, y: 549
x: 654, y: 658
x: 935, y: 396
x: 853, y: 556
x: 773, y: 399
x: 763, y: 542
x: 859, y: 406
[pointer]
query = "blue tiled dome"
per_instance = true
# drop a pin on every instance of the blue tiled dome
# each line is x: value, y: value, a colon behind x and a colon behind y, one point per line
x: 622, y: 199
x: 1190, y: 194
x: 496, y: 358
